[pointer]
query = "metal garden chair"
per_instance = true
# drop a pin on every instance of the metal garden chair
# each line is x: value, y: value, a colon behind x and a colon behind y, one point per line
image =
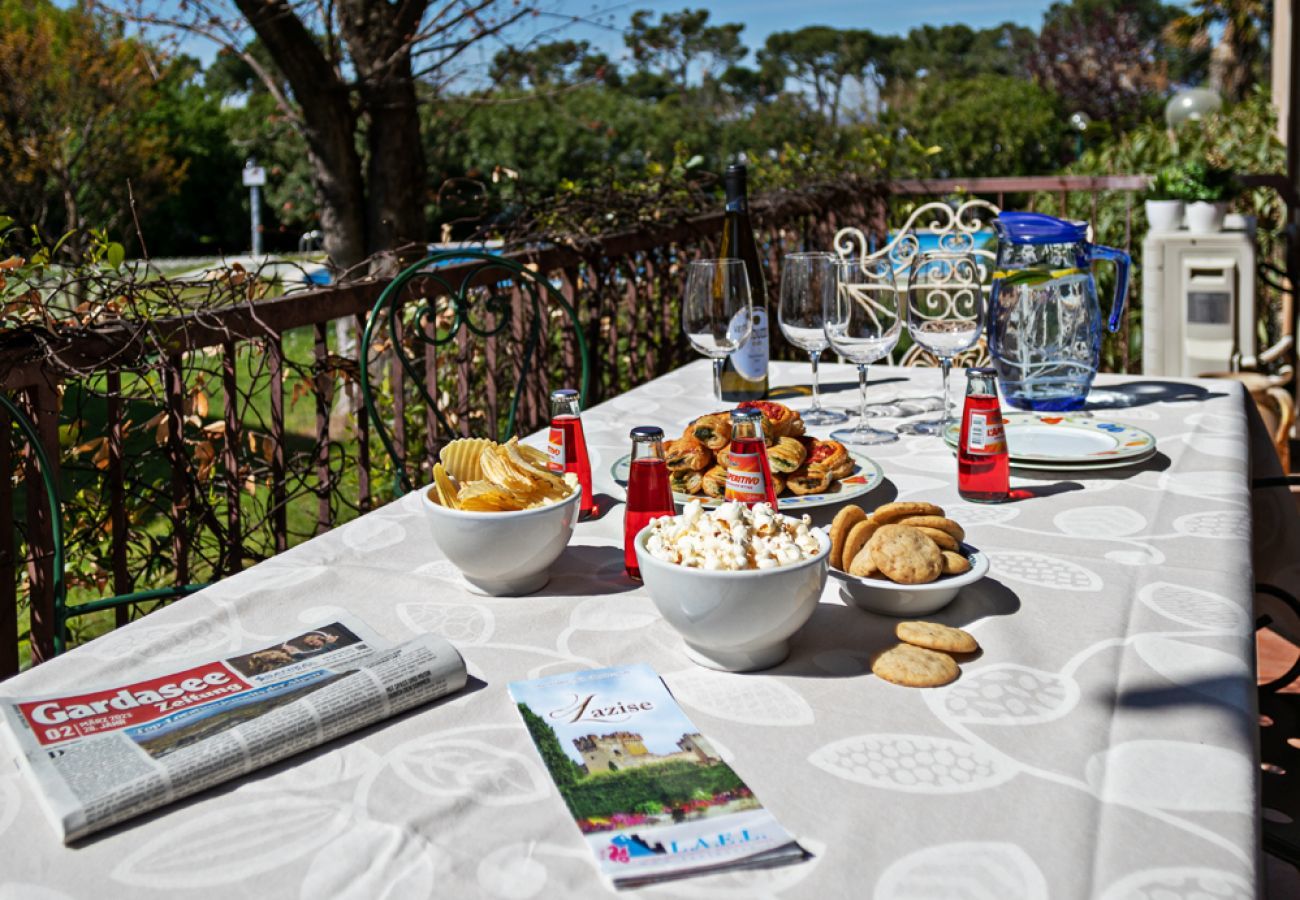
x: 961, y: 229
x: 443, y: 302
x: 64, y: 611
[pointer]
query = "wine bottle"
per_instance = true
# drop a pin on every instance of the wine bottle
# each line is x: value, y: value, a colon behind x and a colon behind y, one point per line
x: 744, y: 373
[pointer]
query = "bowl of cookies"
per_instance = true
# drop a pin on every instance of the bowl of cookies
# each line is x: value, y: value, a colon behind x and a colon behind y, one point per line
x: 499, y: 514
x: 735, y: 582
x: 902, y: 559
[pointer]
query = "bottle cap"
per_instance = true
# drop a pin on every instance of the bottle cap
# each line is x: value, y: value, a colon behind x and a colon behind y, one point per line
x: 745, y: 415
x: 647, y: 433
x: 564, y: 394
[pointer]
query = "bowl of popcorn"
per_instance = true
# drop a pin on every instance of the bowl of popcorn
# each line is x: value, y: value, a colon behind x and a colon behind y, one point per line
x: 499, y: 514
x: 735, y: 582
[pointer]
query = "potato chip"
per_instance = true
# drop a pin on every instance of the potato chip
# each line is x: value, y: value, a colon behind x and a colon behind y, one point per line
x: 535, y: 473
x: 535, y: 457
x: 448, y: 492
x: 486, y: 496
x: 499, y: 469
x: 461, y: 457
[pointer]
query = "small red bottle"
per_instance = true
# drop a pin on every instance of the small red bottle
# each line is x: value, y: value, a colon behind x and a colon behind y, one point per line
x: 567, y: 448
x: 648, y: 493
x: 983, y: 464
x: 749, y: 475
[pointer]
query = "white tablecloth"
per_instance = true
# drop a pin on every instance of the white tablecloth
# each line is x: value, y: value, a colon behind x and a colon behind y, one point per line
x: 1102, y: 745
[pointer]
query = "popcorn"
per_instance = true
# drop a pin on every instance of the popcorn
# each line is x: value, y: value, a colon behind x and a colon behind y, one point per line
x: 731, y: 538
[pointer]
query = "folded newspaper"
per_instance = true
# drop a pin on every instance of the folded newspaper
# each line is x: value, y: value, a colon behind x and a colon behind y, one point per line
x: 650, y: 793
x: 103, y: 756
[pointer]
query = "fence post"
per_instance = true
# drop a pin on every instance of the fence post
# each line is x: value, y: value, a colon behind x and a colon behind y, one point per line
x: 43, y: 567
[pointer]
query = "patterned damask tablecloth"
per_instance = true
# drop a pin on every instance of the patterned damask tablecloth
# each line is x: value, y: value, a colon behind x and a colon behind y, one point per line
x: 1103, y: 745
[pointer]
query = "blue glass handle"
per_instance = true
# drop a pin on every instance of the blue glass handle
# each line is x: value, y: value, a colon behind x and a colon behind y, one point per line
x: 1122, y: 263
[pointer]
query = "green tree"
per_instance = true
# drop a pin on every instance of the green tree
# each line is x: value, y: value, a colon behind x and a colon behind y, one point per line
x: 681, y: 40
x: 959, y: 51
x: 551, y: 64
x: 76, y: 141
x: 1240, y: 56
x: 563, y: 771
x: 824, y: 58
x: 986, y: 125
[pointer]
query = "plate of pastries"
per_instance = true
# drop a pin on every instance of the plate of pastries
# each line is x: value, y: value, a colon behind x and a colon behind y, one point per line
x: 807, y: 471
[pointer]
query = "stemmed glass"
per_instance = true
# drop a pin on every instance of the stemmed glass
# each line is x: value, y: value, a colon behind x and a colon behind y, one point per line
x: 862, y: 324
x: 717, y: 314
x: 945, y: 315
x: 807, y: 281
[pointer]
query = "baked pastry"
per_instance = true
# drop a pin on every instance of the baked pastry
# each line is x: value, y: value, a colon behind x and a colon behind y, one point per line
x: 785, y: 422
x: 814, y: 478
x: 686, y: 481
x: 786, y: 455
x: 686, y: 453
x: 831, y: 454
x: 778, y: 484
x: 714, y: 482
x: 723, y: 456
x: 713, y: 430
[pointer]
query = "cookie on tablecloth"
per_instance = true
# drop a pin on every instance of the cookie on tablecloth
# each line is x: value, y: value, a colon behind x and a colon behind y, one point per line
x: 914, y: 666
x: 933, y: 636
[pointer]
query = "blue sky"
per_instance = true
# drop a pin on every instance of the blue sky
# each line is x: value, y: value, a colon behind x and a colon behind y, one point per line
x: 762, y: 17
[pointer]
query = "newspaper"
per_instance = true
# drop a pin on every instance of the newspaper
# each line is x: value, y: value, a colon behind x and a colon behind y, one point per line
x: 653, y: 798
x: 103, y: 756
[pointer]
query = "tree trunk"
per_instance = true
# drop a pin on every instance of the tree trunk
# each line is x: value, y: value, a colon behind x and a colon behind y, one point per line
x: 395, y: 173
x: 1225, y: 75
x: 328, y: 123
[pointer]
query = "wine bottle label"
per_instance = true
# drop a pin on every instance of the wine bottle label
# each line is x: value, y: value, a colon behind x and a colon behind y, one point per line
x: 751, y: 359
x: 555, y: 450
x: 986, y: 435
x: 745, y: 478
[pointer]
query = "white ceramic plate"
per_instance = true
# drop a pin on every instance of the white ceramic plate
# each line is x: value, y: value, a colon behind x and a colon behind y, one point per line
x: 866, y: 477
x: 1082, y: 467
x: 1061, y: 439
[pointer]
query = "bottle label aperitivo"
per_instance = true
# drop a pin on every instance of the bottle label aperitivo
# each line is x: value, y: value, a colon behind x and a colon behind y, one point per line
x: 987, y: 435
x: 555, y: 449
x: 745, y: 482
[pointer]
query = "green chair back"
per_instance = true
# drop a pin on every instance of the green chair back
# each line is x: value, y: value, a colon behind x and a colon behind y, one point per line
x: 63, y: 611
x: 459, y: 296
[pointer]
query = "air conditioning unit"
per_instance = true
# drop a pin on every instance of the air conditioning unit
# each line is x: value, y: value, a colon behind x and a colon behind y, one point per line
x: 1198, y: 302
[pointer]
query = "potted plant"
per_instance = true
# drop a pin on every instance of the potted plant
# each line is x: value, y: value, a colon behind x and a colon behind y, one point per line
x: 1208, y: 190
x: 1164, y: 202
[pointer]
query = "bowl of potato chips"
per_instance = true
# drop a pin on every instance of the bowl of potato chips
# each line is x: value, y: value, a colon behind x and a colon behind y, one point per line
x: 499, y: 514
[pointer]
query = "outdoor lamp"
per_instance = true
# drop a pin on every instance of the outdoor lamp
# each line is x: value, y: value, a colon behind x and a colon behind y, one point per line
x: 1191, y: 105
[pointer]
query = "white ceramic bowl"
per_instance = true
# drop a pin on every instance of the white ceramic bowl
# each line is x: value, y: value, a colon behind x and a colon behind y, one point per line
x: 735, y: 621
x: 504, y: 554
x: 880, y: 595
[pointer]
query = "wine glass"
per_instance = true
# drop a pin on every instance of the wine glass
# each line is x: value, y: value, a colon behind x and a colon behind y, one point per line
x: 807, y: 280
x: 717, y: 314
x: 945, y: 315
x: 862, y: 324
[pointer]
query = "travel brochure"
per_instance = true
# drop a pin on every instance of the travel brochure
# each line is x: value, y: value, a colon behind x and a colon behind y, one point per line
x: 650, y: 794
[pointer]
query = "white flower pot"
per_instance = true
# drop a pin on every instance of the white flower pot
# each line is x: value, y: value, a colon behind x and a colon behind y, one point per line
x: 1205, y: 218
x: 1164, y: 215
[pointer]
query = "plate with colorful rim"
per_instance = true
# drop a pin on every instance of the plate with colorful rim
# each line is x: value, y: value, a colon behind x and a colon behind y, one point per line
x: 865, y: 477
x: 1063, y: 439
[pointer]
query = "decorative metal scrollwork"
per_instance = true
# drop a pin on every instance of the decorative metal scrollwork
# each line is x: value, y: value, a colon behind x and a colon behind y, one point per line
x: 954, y: 227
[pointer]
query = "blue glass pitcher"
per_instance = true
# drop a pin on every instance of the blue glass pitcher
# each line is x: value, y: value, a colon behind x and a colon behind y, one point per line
x: 1044, y: 321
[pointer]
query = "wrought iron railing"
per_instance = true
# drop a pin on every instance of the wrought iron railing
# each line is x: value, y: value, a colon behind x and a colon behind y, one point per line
x: 199, y: 494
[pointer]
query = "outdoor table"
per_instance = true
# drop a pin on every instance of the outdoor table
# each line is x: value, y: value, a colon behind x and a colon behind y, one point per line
x: 1101, y: 745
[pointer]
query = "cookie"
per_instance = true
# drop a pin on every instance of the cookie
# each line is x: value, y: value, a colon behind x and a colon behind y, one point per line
x: 892, y: 512
x: 937, y: 522
x: 933, y: 636
x: 914, y: 666
x: 845, y: 519
x: 945, y: 540
x: 955, y: 563
x: 862, y: 565
x: 905, y: 555
x: 857, y: 538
